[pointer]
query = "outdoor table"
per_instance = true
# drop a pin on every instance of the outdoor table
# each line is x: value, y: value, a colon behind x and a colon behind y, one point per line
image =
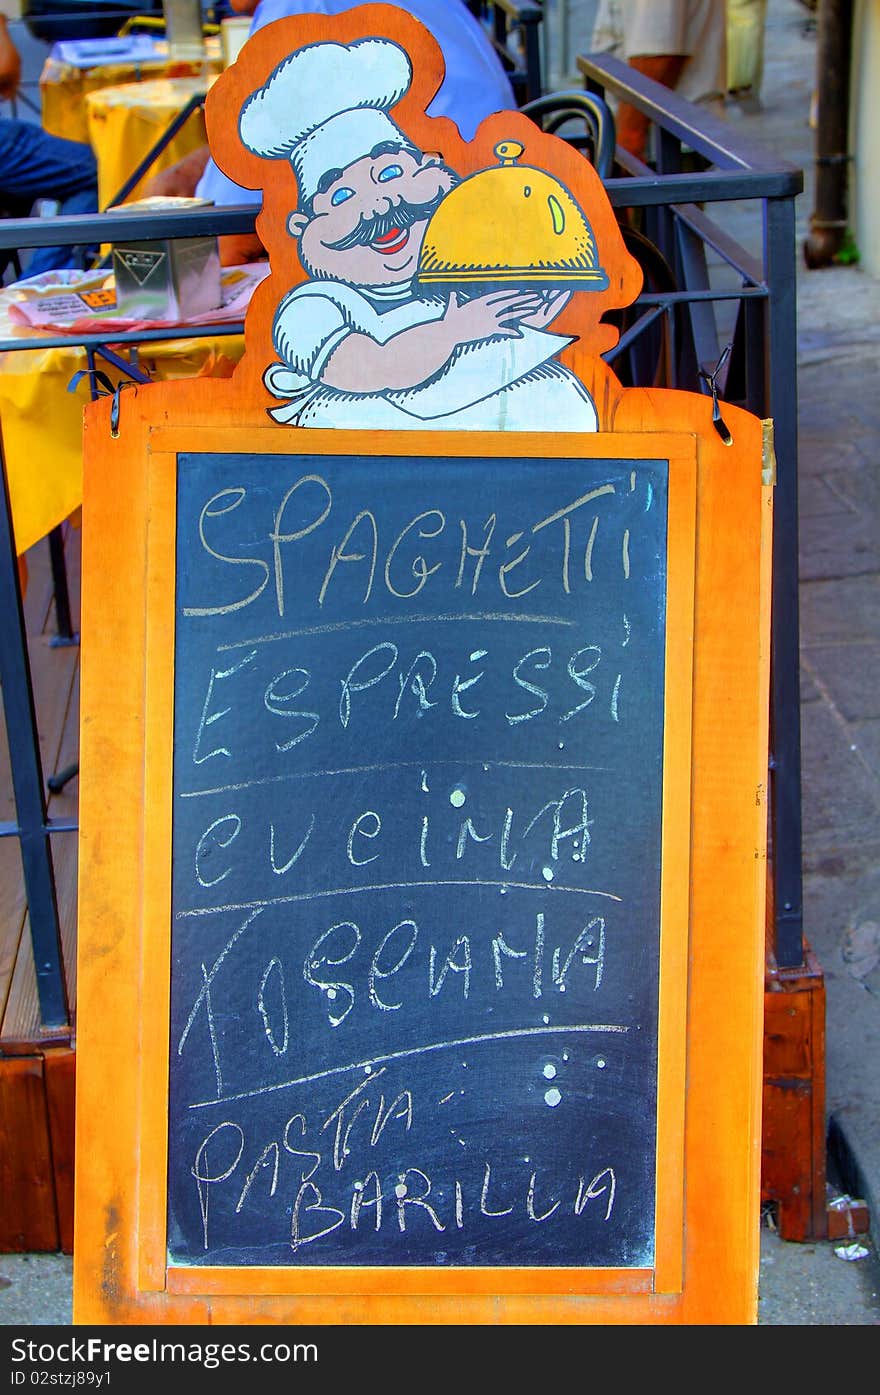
x: 125, y: 122
x: 42, y: 420
x: 64, y: 86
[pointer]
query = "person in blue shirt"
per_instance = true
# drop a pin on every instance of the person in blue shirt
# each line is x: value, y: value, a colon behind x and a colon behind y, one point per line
x: 475, y: 86
x: 36, y: 165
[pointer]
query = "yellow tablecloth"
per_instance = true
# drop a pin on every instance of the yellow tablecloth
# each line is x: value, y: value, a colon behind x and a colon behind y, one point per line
x: 64, y: 88
x: 42, y: 422
x: 125, y: 122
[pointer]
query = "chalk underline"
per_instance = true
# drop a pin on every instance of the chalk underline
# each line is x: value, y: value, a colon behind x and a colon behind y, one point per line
x: 373, y: 620
x: 385, y: 765
x: 389, y: 886
x: 424, y: 1049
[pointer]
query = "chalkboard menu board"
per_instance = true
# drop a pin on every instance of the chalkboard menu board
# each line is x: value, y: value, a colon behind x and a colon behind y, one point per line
x: 416, y: 861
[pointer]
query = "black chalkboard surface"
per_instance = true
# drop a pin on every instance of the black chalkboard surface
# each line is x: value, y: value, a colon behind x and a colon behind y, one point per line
x: 418, y: 736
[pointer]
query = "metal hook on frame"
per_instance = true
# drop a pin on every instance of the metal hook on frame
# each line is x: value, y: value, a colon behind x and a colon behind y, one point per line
x: 114, y: 406
x: 712, y: 380
x: 101, y: 386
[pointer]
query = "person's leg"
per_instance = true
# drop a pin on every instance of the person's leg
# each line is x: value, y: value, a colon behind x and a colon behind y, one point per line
x: 632, y: 124
x: 35, y: 165
x: 655, y: 43
x: 75, y: 258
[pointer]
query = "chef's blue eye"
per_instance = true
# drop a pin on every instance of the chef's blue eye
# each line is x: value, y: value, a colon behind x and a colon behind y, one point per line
x: 390, y: 172
x: 342, y: 196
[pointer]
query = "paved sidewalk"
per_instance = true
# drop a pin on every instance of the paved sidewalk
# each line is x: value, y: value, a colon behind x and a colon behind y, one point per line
x: 839, y: 500
x: 838, y: 354
x: 839, y: 505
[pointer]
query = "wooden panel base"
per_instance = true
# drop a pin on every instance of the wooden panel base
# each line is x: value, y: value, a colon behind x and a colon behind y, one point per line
x: 37, y: 1066
x: 59, y: 1073
x: 793, y: 1148
x: 36, y: 1151
x: 847, y: 1218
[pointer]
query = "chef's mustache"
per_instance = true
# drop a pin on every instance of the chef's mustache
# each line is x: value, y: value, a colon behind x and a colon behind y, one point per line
x: 401, y: 216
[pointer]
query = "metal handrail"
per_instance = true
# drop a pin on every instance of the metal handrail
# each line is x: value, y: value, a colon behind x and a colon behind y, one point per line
x: 736, y: 172
x: 91, y: 339
x: 739, y: 170
x: 716, y: 140
x: 628, y: 192
x: 118, y: 224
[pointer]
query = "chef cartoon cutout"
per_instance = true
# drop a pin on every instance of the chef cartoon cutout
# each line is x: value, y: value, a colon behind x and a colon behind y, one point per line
x: 430, y: 290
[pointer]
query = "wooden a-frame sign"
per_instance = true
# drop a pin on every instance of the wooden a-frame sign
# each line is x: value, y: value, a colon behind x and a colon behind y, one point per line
x: 424, y: 750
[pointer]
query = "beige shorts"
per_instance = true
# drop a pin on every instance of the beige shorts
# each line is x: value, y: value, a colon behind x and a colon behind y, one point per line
x: 695, y: 28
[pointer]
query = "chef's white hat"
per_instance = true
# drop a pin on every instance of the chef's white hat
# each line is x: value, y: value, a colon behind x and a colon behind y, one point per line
x: 325, y: 107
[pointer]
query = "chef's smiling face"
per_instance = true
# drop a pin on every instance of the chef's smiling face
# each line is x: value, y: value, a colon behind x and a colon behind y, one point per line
x: 366, y: 223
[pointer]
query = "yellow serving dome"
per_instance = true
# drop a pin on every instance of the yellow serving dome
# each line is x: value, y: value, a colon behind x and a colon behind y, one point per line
x: 511, y: 225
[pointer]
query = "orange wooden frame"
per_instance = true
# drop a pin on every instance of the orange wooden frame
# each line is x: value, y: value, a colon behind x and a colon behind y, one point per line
x: 665, y: 1276
x: 713, y: 833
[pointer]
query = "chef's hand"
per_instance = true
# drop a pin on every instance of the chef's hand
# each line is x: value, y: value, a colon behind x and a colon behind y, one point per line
x: 489, y: 316
x: 552, y: 303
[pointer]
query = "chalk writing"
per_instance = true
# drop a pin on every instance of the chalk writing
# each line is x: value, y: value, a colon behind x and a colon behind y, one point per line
x: 417, y: 796
x: 233, y: 1171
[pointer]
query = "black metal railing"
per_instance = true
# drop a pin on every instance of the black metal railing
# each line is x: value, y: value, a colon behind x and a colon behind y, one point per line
x: 681, y: 298
x: 514, y: 28
x: 760, y: 372
x: 32, y: 825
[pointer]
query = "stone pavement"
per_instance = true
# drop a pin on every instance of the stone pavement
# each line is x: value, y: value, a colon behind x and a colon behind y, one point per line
x: 839, y: 503
x: 838, y: 357
x: 839, y: 414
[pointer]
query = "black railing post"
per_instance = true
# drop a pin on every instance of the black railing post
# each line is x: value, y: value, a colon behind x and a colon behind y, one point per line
x: 27, y: 780
x: 60, y: 590
x: 530, y: 17
x: 729, y: 170
x: 667, y: 154
x: 785, y: 724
